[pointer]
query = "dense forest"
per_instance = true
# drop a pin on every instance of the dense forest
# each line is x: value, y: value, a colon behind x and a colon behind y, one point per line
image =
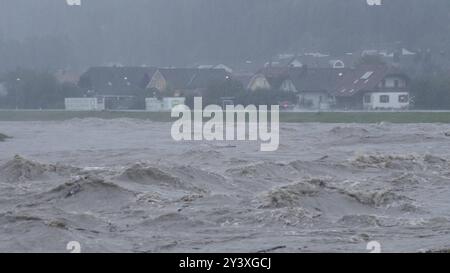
x: 49, y: 34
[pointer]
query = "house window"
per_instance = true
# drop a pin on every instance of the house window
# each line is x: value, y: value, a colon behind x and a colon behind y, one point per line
x: 403, y: 98
x: 367, y: 99
x: 384, y: 99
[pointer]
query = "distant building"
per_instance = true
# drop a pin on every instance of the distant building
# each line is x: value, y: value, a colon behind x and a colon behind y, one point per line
x: 314, y: 86
x: 122, y: 81
x: 364, y: 87
x: 372, y: 88
x: 120, y: 87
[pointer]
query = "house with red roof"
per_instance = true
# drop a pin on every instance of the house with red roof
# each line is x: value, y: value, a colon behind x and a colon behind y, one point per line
x: 373, y: 88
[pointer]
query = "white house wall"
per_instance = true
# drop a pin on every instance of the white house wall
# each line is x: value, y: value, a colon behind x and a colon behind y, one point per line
x: 393, y: 103
x: 158, y: 82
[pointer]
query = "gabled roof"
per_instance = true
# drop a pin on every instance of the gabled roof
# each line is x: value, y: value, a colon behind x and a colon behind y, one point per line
x: 178, y: 78
x: 275, y: 75
x: 116, y: 80
x: 317, y: 79
x: 364, y: 78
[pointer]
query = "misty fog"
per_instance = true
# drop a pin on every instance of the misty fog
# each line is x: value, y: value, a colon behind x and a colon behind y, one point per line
x: 49, y: 34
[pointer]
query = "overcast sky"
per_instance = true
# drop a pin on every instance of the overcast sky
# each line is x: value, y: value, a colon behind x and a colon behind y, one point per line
x: 49, y: 33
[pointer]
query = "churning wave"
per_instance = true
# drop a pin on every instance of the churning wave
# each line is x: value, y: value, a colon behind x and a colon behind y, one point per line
x: 330, y: 188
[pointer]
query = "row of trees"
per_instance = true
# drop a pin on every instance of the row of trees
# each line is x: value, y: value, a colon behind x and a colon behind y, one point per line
x: 431, y: 92
x: 28, y: 89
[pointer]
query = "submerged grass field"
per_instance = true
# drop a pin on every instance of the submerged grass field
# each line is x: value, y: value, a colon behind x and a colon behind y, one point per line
x: 294, y: 117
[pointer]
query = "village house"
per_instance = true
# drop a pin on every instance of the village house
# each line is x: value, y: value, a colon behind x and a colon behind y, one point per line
x: 116, y: 80
x: 373, y: 88
x: 314, y: 86
x: 119, y: 87
x: 365, y: 87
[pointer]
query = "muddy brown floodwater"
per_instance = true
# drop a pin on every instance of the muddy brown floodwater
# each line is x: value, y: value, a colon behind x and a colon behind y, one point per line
x: 125, y: 186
